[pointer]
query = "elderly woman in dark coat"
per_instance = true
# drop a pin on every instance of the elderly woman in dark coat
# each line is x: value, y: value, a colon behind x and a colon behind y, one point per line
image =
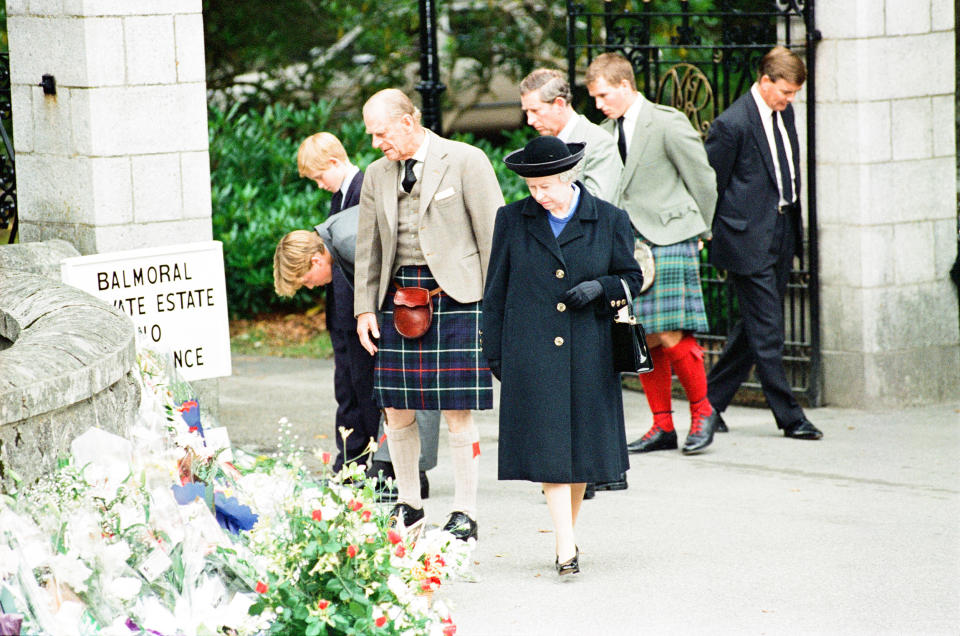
x: 552, y: 289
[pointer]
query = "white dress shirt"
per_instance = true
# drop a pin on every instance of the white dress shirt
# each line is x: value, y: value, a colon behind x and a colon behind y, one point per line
x: 630, y: 117
x: 767, y: 121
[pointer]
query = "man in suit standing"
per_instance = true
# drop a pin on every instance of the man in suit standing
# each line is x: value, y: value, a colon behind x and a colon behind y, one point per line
x: 545, y: 98
x: 669, y: 190
x: 427, y: 210
x: 757, y: 231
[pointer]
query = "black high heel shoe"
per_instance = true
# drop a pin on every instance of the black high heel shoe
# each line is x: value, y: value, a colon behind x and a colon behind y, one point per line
x: 571, y: 566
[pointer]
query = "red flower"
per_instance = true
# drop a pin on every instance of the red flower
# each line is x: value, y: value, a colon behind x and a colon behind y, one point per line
x: 355, y: 505
x: 262, y: 587
x: 381, y: 621
x: 400, y: 551
x: 450, y: 630
x: 325, y: 458
x: 317, y: 515
x: 351, y: 550
x: 394, y: 537
x: 425, y: 586
x: 323, y: 604
x: 366, y: 515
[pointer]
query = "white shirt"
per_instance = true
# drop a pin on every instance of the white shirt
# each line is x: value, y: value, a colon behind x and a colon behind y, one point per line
x: 767, y: 122
x: 630, y: 117
x: 352, y: 171
x: 567, y: 131
x: 419, y: 156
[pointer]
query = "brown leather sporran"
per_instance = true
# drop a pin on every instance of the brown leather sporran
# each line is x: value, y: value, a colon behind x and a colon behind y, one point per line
x: 413, y: 310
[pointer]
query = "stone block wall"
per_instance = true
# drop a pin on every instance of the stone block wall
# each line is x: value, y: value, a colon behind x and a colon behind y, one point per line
x: 117, y: 159
x: 67, y: 363
x: 886, y: 171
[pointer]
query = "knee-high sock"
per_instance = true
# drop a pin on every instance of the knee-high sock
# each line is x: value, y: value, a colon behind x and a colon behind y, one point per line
x: 465, y: 452
x: 686, y: 358
x: 404, y: 446
x: 656, y: 386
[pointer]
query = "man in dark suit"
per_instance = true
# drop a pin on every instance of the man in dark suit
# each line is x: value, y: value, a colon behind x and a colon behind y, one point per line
x: 757, y: 230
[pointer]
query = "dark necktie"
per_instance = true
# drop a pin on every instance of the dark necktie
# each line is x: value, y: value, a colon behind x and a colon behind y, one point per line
x: 409, y: 178
x: 336, y: 202
x: 621, y: 140
x: 786, y: 188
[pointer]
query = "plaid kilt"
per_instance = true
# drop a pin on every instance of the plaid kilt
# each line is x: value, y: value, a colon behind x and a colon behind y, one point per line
x: 675, y: 301
x: 443, y: 369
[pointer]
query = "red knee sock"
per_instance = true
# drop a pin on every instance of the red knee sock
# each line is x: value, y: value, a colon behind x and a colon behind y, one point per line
x: 656, y: 385
x: 686, y: 358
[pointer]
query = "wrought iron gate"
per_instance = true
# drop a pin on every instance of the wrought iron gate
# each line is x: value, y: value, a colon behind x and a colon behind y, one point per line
x: 8, y: 182
x: 700, y: 56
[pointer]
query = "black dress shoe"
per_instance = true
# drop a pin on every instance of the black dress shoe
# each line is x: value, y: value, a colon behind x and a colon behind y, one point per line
x: 700, y: 435
x: 461, y: 526
x: 719, y: 426
x: 405, y: 517
x: 802, y: 429
x: 654, y: 440
x: 620, y: 483
x: 589, y: 492
x: 571, y: 566
x: 424, y: 485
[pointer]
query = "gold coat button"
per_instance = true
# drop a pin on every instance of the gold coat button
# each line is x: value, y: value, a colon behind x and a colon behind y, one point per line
x: 558, y: 341
x: 560, y: 273
x: 561, y: 307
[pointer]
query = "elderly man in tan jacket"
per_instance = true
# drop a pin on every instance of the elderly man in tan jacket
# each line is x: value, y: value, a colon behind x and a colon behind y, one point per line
x: 427, y: 211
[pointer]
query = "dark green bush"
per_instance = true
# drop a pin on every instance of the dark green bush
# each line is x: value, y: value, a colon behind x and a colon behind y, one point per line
x: 258, y: 195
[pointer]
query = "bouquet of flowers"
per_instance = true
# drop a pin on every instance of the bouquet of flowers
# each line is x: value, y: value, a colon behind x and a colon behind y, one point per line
x: 170, y: 531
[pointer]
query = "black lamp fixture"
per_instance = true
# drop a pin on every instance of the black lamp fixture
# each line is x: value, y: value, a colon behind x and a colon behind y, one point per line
x: 49, y: 84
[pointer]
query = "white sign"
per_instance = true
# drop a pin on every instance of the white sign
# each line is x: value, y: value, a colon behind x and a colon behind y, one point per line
x: 176, y: 296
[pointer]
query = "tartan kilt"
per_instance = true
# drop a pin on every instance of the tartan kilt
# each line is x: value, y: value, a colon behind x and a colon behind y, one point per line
x: 443, y: 369
x: 675, y: 301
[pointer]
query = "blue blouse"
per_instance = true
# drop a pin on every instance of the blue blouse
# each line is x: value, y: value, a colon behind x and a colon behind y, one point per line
x: 557, y: 224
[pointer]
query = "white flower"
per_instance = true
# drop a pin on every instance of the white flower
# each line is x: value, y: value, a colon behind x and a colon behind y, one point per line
x: 71, y: 570
x: 124, y: 588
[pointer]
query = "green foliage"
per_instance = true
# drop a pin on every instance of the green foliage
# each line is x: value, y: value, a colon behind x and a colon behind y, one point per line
x: 258, y: 196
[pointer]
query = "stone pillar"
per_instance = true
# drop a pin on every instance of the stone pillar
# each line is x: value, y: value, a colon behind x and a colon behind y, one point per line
x: 117, y: 158
x: 886, y: 170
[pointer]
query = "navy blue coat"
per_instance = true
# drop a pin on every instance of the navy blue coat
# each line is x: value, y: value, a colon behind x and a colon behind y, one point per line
x: 561, y: 408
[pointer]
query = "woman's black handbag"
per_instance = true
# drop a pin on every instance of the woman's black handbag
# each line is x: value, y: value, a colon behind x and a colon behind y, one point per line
x: 630, y: 353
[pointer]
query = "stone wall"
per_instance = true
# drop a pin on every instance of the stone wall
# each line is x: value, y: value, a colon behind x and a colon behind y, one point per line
x: 69, y: 364
x: 886, y: 165
x: 117, y: 158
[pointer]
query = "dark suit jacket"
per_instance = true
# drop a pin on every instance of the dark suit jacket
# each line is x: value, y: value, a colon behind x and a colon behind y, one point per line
x: 746, y: 213
x: 340, y: 289
x: 339, y: 234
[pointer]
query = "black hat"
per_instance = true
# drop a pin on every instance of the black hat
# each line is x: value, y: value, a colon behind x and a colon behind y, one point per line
x: 544, y: 156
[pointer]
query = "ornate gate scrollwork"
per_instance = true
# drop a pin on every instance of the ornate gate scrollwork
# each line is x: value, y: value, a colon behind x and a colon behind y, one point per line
x: 686, y: 88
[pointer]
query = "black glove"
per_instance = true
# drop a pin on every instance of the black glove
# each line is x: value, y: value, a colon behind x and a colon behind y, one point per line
x: 582, y: 294
x: 494, y: 368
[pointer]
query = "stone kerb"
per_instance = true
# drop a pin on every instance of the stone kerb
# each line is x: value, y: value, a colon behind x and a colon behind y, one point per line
x: 69, y: 366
